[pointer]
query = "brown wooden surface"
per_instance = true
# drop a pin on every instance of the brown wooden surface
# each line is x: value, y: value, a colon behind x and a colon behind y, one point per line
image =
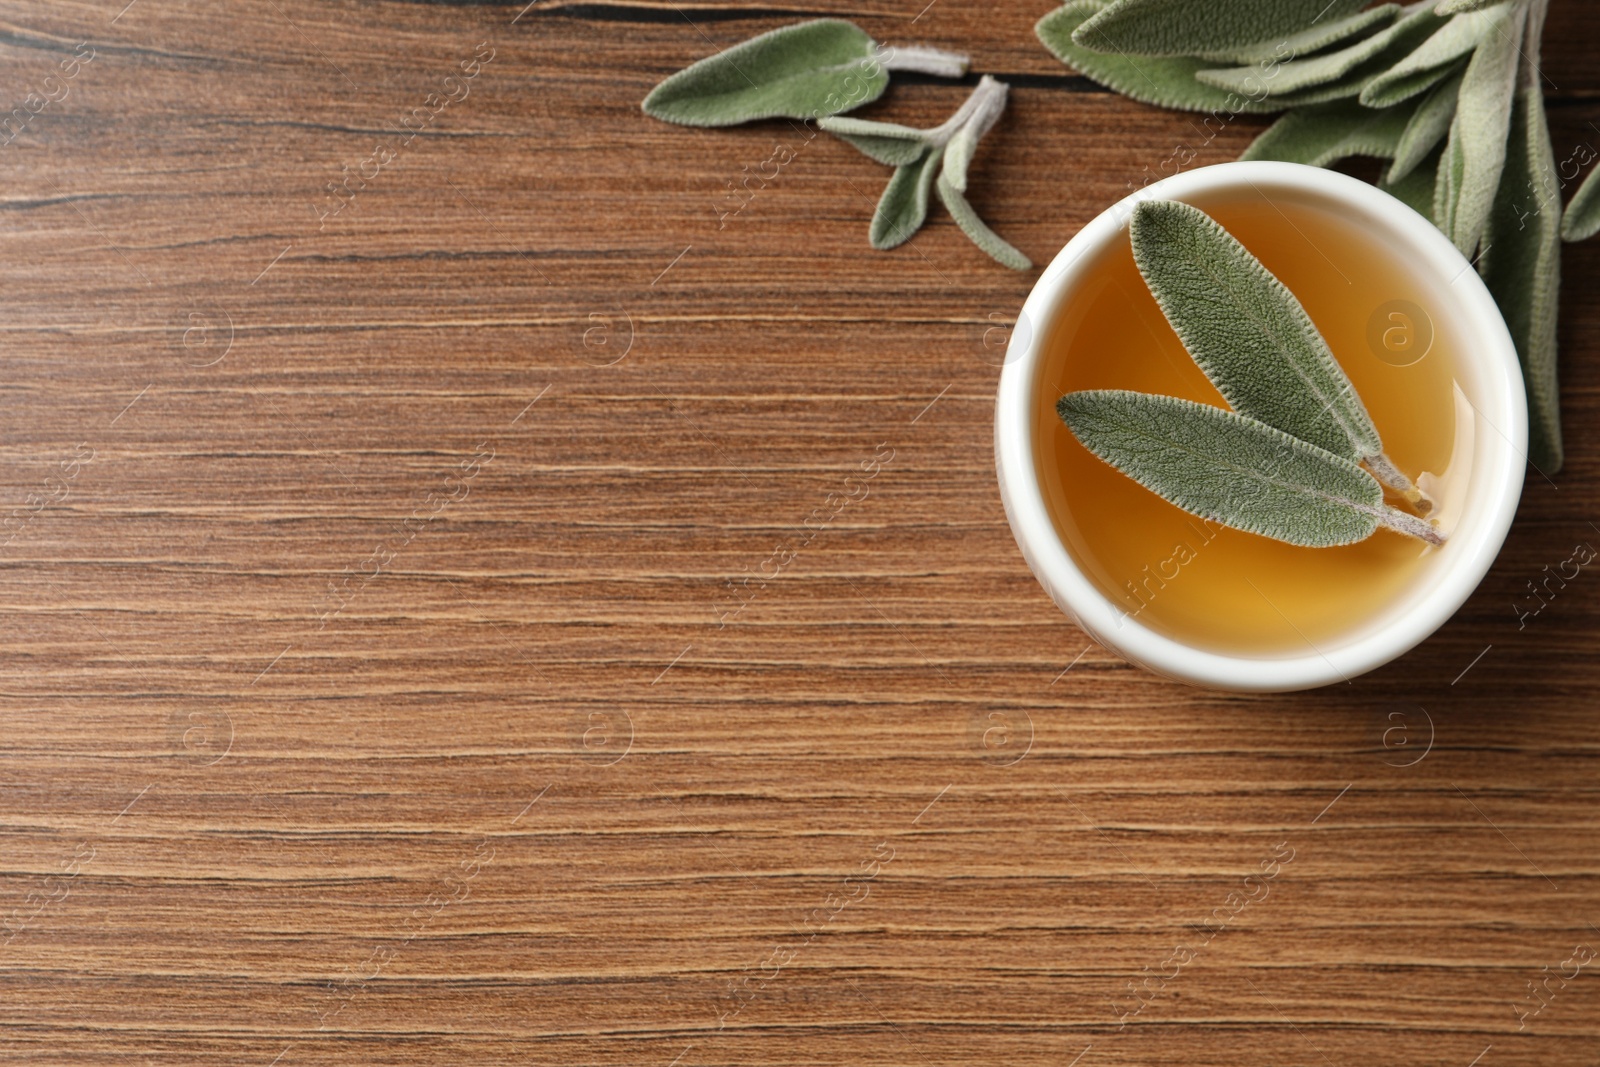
x: 524, y: 800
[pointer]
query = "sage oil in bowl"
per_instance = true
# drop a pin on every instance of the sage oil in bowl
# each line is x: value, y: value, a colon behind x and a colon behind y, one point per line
x: 1410, y: 323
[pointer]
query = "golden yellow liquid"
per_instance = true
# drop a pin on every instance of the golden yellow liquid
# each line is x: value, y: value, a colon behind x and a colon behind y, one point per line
x: 1206, y: 585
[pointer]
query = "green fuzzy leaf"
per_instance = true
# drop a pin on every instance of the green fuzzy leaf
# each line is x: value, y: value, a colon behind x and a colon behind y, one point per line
x: 1415, y: 189
x: 1462, y: 7
x: 1582, y: 219
x: 903, y: 207
x: 1159, y: 80
x: 1228, y: 468
x: 1190, y: 27
x: 886, y: 142
x: 1302, y: 74
x: 1447, y: 185
x: 1411, y: 86
x: 958, y: 156
x: 1312, y: 71
x: 1482, y: 121
x: 1321, y: 135
x: 1430, y: 62
x: 1247, y: 332
x: 811, y: 69
x: 1347, y: 88
x: 1428, y: 126
x: 1522, y: 267
x: 1309, y: 41
x: 996, y: 246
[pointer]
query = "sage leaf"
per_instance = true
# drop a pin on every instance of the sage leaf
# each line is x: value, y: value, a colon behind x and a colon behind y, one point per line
x: 1428, y: 126
x: 1411, y: 86
x: 1165, y: 81
x: 977, y: 230
x: 1318, y: 136
x: 1460, y: 7
x: 1308, y: 41
x: 1246, y: 331
x: 1296, y: 75
x: 1582, y: 219
x: 884, y: 142
x: 1409, y: 77
x: 1345, y: 88
x: 1415, y: 188
x: 1522, y: 267
x: 958, y: 156
x: 1234, y: 470
x: 1189, y: 27
x: 903, y: 207
x: 810, y: 69
x: 1478, y: 132
x: 1447, y: 186
x: 926, y: 61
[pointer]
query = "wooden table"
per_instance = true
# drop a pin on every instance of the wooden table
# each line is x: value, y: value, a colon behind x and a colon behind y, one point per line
x: 376, y: 689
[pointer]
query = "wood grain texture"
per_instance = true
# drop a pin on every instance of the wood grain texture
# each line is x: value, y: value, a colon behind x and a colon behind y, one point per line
x: 514, y: 791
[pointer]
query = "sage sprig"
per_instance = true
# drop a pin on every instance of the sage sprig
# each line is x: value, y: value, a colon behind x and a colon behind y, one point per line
x: 1297, y: 458
x: 1443, y: 89
x: 934, y: 158
x: 1253, y: 339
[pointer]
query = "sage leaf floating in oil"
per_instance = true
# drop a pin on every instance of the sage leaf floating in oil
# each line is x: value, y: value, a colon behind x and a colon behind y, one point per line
x: 1235, y: 470
x: 821, y: 67
x: 1253, y: 338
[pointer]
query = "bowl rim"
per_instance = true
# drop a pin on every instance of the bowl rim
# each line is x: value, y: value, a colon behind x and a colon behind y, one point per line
x: 1494, y: 364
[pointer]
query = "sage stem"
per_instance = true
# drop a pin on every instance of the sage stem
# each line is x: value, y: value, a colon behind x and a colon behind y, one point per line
x: 1383, y: 468
x: 1400, y: 522
x: 983, y: 108
x: 926, y: 61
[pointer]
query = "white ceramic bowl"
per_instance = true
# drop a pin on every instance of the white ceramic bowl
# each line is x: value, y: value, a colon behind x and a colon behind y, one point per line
x: 1488, y: 375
